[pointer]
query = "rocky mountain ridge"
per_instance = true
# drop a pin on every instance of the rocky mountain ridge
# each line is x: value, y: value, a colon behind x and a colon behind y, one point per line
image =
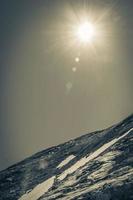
x: 95, y: 166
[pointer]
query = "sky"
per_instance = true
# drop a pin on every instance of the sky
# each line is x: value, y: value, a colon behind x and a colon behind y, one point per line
x: 54, y: 88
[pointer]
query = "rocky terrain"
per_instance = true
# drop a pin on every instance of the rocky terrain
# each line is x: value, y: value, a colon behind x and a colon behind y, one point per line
x: 95, y: 166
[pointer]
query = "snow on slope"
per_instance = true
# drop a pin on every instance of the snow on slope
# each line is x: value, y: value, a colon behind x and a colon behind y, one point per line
x: 39, y: 190
x: 73, y: 194
x: 67, y: 160
x: 85, y: 159
x: 42, y: 188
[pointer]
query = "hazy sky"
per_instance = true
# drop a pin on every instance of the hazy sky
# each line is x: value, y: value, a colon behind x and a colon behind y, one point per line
x: 46, y: 96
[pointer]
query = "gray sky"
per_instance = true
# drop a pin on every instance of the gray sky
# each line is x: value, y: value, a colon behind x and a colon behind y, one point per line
x: 46, y: 96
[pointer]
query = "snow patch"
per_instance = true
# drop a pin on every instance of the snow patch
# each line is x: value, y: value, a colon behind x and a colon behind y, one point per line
x: 39, y: 190
x: 102, y: 172
x: 64, y: 162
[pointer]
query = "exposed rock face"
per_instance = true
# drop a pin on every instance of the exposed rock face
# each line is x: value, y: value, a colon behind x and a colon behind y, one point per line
x: 96, y: 166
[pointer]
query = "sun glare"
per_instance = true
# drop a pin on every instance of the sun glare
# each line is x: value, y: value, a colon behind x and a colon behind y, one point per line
x: 85, y: 32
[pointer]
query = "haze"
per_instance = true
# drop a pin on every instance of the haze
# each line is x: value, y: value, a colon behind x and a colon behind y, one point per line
x: 54, y: 89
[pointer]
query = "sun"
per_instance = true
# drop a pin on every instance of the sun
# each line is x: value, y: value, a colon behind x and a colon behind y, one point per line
x: 85, y: 32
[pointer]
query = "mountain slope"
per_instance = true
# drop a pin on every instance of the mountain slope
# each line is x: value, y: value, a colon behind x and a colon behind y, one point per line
x: 95, y: 166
